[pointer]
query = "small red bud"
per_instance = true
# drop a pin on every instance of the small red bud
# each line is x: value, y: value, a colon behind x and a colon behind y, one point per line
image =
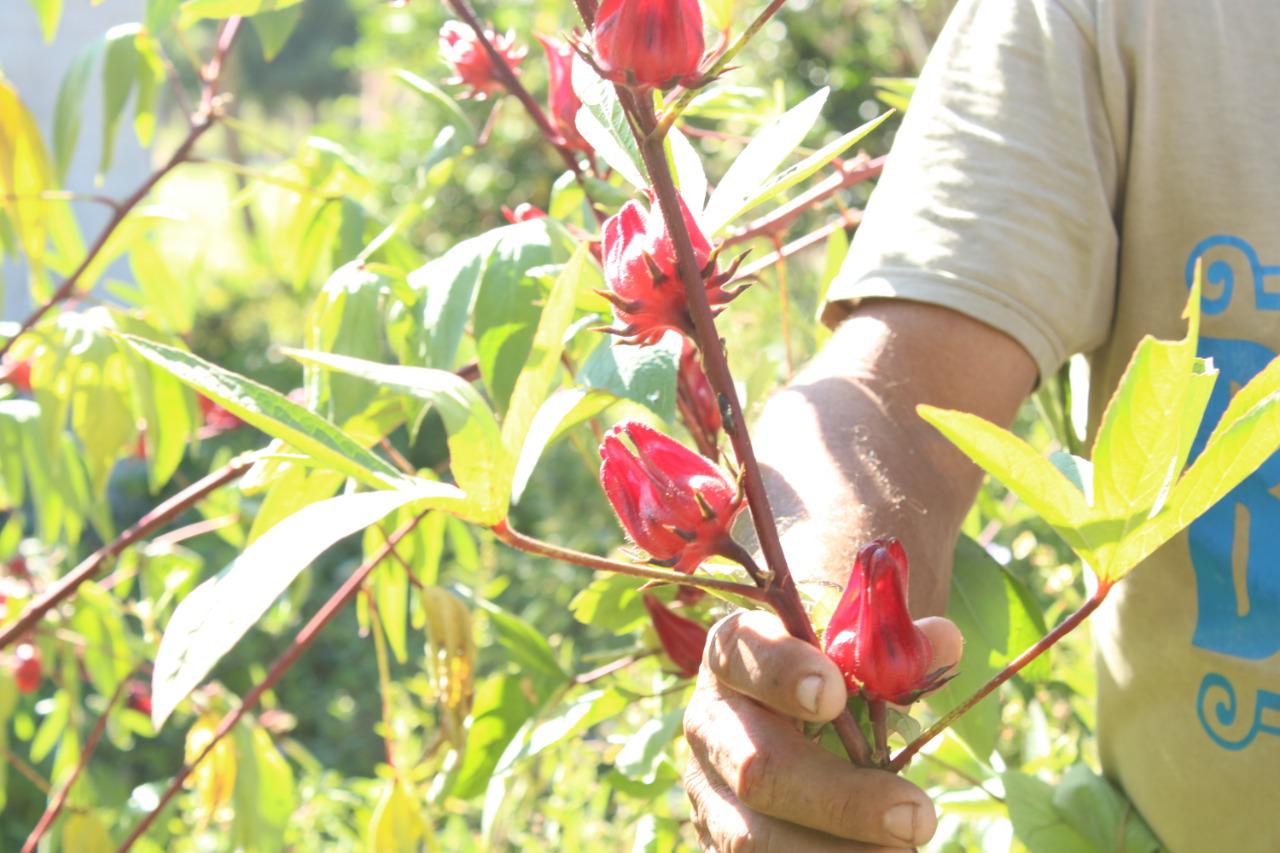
x: 673, y: 503
x: 471, y: 63
x: 648, y: 43
x: 640, y: 270
x: 139, y: 697
x: 524, y: 212
x: 27, y: 670
x: 17, y: 566
x: 682, y: 639
x: 562, y: 102
x: 216, y: 418
x: 17, y: 373
x: 696, y: 392
x: 871, y: 637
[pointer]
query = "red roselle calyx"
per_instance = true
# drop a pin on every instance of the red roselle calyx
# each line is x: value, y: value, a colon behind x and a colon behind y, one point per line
x: 871, y: 637
x: 673, y: 503
x: 640, y: 270
x: 562, y: 102
x: 27, y: 670
x: 682, y: 639
x: 648, y: 43
x: 17, y: 373
x: 139, y: 697
x: 471, y: 63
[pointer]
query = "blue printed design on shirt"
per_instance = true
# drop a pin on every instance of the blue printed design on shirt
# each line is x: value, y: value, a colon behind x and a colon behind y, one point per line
x: 1238, y: 594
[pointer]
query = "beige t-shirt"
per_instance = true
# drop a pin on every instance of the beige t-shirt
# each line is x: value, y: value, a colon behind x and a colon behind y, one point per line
x: 1062, y: 167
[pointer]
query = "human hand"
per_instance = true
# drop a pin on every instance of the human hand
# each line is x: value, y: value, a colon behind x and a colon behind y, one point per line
x: 756, y: 783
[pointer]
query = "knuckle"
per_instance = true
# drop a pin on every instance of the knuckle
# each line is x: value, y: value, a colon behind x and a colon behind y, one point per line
x: 754, y: 780
x: 721, y: 647
x: 751, y: 839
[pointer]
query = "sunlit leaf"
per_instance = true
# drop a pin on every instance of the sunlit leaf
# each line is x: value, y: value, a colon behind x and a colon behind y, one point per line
x: 195, y: 10
x: 213, y: 618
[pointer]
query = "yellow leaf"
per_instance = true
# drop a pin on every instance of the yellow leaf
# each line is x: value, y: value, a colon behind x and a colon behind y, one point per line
x: 214, y: 779
x: 24, y: 173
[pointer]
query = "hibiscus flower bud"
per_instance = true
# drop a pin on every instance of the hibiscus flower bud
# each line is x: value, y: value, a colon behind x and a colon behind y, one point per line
x: 139, y: 697
x: 216, y: 418
x: 648, y: 43
x: 27, y: 670
x: 682, y: 639
x: 871, y: 637
x: 672, y: 502
x: 640, y: 270
x: 523, y: 213
x: 17, y: 373
x: 562, y: 102
x: 696, y: 397
x: 471, y: 64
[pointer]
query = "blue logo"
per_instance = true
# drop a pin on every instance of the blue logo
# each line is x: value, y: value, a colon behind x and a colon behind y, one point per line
x: 1235, y: 546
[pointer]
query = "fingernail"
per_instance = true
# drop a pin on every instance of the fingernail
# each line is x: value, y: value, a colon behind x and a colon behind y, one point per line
x: 900, y: 822
x: 809, y: 692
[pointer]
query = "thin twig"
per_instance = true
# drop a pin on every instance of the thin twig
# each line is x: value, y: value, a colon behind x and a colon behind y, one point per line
x: 162, y: 514
x: 201, y: 122
x: 777, y: 220
x: 968, y: 777
x: 848, y: 219
x: 59, y: 800
x: 529, y: 544
x: 279, y: 667
x: 612, y: 666
x: 384, y: 677
x: 26, y: 770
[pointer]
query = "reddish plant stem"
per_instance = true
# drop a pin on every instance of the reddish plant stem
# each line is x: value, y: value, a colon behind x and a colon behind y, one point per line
x: 611, y: 667
x: 305, y: 637
x: 513, y: 85
x: 880, y: 731
x: 158, y: 516
x: 1066, y: 626
x: 60, y: 798
x: 848, y: 218
x: 200, y: 124
x: 26, y: 771
x: 780, y: 592
x: 529, y: 544
x: 777, y: 220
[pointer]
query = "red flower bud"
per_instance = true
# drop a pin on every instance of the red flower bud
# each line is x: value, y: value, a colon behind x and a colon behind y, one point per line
x: 18, y: 567
x: 27, y: 670
x: 17, y: 373
x: 562, y: 102
x: 648, y: 43
x: 682, y: 639
x: 871, y: 636
x: 640, y: 270
x: 697, y: 398
x: 672, y: 502
x: 139, y: 697
x: 216, y: 419
x: 523, y: 213
x: 471, y: 63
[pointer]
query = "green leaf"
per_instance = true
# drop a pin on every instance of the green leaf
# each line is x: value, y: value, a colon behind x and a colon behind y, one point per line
x: 1099, y: 812
x: 265, y: 792
x: 479, y: 462
x: 586, y: 711
x: 211, y: 620
x: 274, y: 29
x: 895, y: 92
x: 645, y: 752
x: 272, y: 413
x: 1036, y: 822
x: 529, y: 650
x: 1149, y: 423
x: 68, y: 107
x: 501, y: 707
x: 25, y: 172
x: 792, y: 175
x: 999, y: 621
x: 559, y: 413
x: 603, y: 123
x: 691, y: 178
x: 646, y: 375
x: 1015, y: 463
x: 119, y: 72
x: 397, y: 824
x: 170, y: 298
x: 760, y: 159
x: 612, y: 602
x: 341, y: 320
x: 534, y: 380
x: 506, y: 311
x: 196, y: 10
x: 49, y: 12
x: 108, y: 658
x: 151, y: 76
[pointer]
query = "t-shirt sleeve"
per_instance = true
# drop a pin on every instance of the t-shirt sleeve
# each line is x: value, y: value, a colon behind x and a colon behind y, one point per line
x: 998, y: 197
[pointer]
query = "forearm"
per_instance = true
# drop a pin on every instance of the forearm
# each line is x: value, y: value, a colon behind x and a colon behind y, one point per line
x: 848, y: 459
